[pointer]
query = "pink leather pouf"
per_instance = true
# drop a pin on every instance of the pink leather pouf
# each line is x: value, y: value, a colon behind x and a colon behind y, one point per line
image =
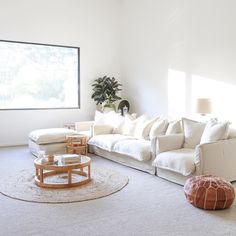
x: 209, y: 192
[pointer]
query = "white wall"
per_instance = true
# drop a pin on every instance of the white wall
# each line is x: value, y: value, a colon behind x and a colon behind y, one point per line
x: 143, y: 43
x: 186, y: 41
x: 92, y: 25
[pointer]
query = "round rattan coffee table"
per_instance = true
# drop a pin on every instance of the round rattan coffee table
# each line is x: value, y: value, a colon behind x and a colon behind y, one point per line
x: 58, y: 167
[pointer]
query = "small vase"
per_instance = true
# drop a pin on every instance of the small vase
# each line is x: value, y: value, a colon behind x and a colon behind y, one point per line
x: 50, y: 158
x: 99, y: 107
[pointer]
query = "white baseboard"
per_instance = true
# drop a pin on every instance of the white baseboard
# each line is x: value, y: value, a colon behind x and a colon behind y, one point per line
x: 12, y: 144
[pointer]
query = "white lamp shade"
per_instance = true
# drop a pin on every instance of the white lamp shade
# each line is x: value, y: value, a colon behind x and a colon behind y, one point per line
x: 203, y: 106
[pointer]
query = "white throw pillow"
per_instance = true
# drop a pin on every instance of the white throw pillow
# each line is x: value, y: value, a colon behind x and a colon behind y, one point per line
x: 174, y: 127
x: 128, y: 126
x: 192, y: 132
x: 158, y: 128
x: 131, y: 124
x: 119, y: 122
x: 215, y: 131
x: 109, y: 118
x: 103, y: 118
x: 143, y: 129
x: 98, y: 118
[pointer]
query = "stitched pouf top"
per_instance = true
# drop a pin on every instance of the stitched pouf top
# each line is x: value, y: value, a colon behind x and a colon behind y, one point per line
x: 209, y: 192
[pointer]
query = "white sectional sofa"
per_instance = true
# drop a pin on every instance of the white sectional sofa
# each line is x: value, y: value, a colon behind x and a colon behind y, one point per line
x: 202, y: 149
x: 172, y: 150
x: 127, y: 140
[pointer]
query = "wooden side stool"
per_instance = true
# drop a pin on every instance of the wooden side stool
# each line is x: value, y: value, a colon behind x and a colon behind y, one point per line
x: 76, y: 144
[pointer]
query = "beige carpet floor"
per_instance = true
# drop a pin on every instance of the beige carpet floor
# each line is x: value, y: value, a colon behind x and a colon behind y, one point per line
x: 148, y: 205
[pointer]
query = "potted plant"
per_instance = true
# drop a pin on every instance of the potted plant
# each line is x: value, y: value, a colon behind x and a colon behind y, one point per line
x: 105, y: 91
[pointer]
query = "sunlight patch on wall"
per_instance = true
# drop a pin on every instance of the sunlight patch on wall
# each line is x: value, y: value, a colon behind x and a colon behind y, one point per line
x: 176, y: 92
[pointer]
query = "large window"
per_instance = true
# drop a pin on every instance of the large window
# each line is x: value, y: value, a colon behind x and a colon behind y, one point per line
x: 38, y: 76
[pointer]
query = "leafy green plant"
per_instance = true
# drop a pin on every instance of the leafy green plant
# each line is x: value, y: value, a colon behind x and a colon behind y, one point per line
x: 105, y: 90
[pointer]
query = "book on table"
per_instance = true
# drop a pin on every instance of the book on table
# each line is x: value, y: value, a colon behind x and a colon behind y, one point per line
x: 70, y: 158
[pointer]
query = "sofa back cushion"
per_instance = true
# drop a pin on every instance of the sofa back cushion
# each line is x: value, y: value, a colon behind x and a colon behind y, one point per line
x: 174, y: 127
x: 215, y: 131
x: 142, y: 130
x: 102, y: 129
x: 104, y: 118
x: 193, y: 131
x: 110, y: 119
x: 158, y: 128
x: 131, y: 125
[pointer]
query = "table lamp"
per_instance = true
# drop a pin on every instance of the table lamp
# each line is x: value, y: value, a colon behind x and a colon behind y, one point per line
x: 203, y: 106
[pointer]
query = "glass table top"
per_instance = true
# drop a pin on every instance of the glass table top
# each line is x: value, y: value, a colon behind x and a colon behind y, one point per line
x: 63, y: 160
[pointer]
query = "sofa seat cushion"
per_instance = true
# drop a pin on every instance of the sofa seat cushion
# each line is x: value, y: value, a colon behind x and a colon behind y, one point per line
x: 52, y: 135
x: 107, y: 141
x: 136, y: 148
x: 180, y: 161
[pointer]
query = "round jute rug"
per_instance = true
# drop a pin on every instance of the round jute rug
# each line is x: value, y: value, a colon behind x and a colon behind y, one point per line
x: 21, y: 186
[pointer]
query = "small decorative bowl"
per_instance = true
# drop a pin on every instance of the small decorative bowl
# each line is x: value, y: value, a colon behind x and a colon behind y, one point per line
x: 50, y: 158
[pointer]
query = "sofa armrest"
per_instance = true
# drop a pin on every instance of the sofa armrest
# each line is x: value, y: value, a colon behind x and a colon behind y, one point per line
x: 217, y: 158
x: 102, y: 129
x: 169, y: 142
x: 83, y: 125
x: 153, y: 147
